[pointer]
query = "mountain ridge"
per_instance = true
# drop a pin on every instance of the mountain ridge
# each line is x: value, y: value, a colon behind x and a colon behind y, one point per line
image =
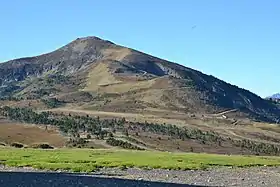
x: 101, y: 68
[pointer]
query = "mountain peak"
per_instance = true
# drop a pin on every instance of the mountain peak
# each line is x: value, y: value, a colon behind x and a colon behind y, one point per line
x: 93, y: 38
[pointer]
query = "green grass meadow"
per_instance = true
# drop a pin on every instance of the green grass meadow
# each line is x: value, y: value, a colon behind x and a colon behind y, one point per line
x: 85, y: 160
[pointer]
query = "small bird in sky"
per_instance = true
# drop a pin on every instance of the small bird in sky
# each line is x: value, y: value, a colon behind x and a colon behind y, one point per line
x: 193, y: 27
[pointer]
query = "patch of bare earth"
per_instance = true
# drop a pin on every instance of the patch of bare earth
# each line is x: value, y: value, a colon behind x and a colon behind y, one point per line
x: 29, y: 134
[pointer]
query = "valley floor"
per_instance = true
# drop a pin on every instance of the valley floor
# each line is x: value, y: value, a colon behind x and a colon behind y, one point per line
x: 85, y: 167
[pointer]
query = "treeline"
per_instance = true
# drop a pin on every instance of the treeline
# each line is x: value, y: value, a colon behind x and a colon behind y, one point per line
x: 257, y: 147
x: 95, y: 126
x: 174, y: 131
x: 67, y: 124
x: 9, y: 90
x: 126, y: 145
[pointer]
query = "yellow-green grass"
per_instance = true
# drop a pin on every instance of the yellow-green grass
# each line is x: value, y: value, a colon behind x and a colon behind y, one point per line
x: 85, y: 160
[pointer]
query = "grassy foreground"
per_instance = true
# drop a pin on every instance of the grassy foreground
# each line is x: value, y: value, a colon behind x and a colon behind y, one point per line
x: 84, y: 160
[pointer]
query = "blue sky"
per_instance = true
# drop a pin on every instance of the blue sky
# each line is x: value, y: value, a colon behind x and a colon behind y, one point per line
x: 237, y: 41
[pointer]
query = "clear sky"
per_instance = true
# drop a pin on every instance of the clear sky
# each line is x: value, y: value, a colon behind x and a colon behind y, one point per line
x: 237, y: 41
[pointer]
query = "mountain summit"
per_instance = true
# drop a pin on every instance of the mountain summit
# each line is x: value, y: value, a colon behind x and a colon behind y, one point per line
x: 91, y: 73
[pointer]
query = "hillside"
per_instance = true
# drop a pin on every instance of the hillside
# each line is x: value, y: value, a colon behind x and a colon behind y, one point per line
x: 94, y: 74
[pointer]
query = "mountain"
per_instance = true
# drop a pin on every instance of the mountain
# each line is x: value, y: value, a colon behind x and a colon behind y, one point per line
x: 275, y: 96
x: 95, y: 74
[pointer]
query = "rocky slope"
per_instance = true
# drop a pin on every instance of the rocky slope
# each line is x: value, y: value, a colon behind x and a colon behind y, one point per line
x: 98, y: 74
x: 257, y: 176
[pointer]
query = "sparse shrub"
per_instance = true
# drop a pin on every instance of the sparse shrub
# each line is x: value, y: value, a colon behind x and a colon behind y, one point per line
x: 88, y: 136
x: 42, y: 146
x: 77, y: 142
x: 2, y: 144
x: 17, y: 145
x: 110, y: 135
x: 126, y: 132
x: 52, y: 102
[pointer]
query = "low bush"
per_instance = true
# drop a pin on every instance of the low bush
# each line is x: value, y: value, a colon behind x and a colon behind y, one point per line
x: 17, y: 145
x: 77, y: 142
x: 42, y: 146
x: 2, y: 144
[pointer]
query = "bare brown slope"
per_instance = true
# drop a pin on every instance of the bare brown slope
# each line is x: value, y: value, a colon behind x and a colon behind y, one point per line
x: 26, y: 134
